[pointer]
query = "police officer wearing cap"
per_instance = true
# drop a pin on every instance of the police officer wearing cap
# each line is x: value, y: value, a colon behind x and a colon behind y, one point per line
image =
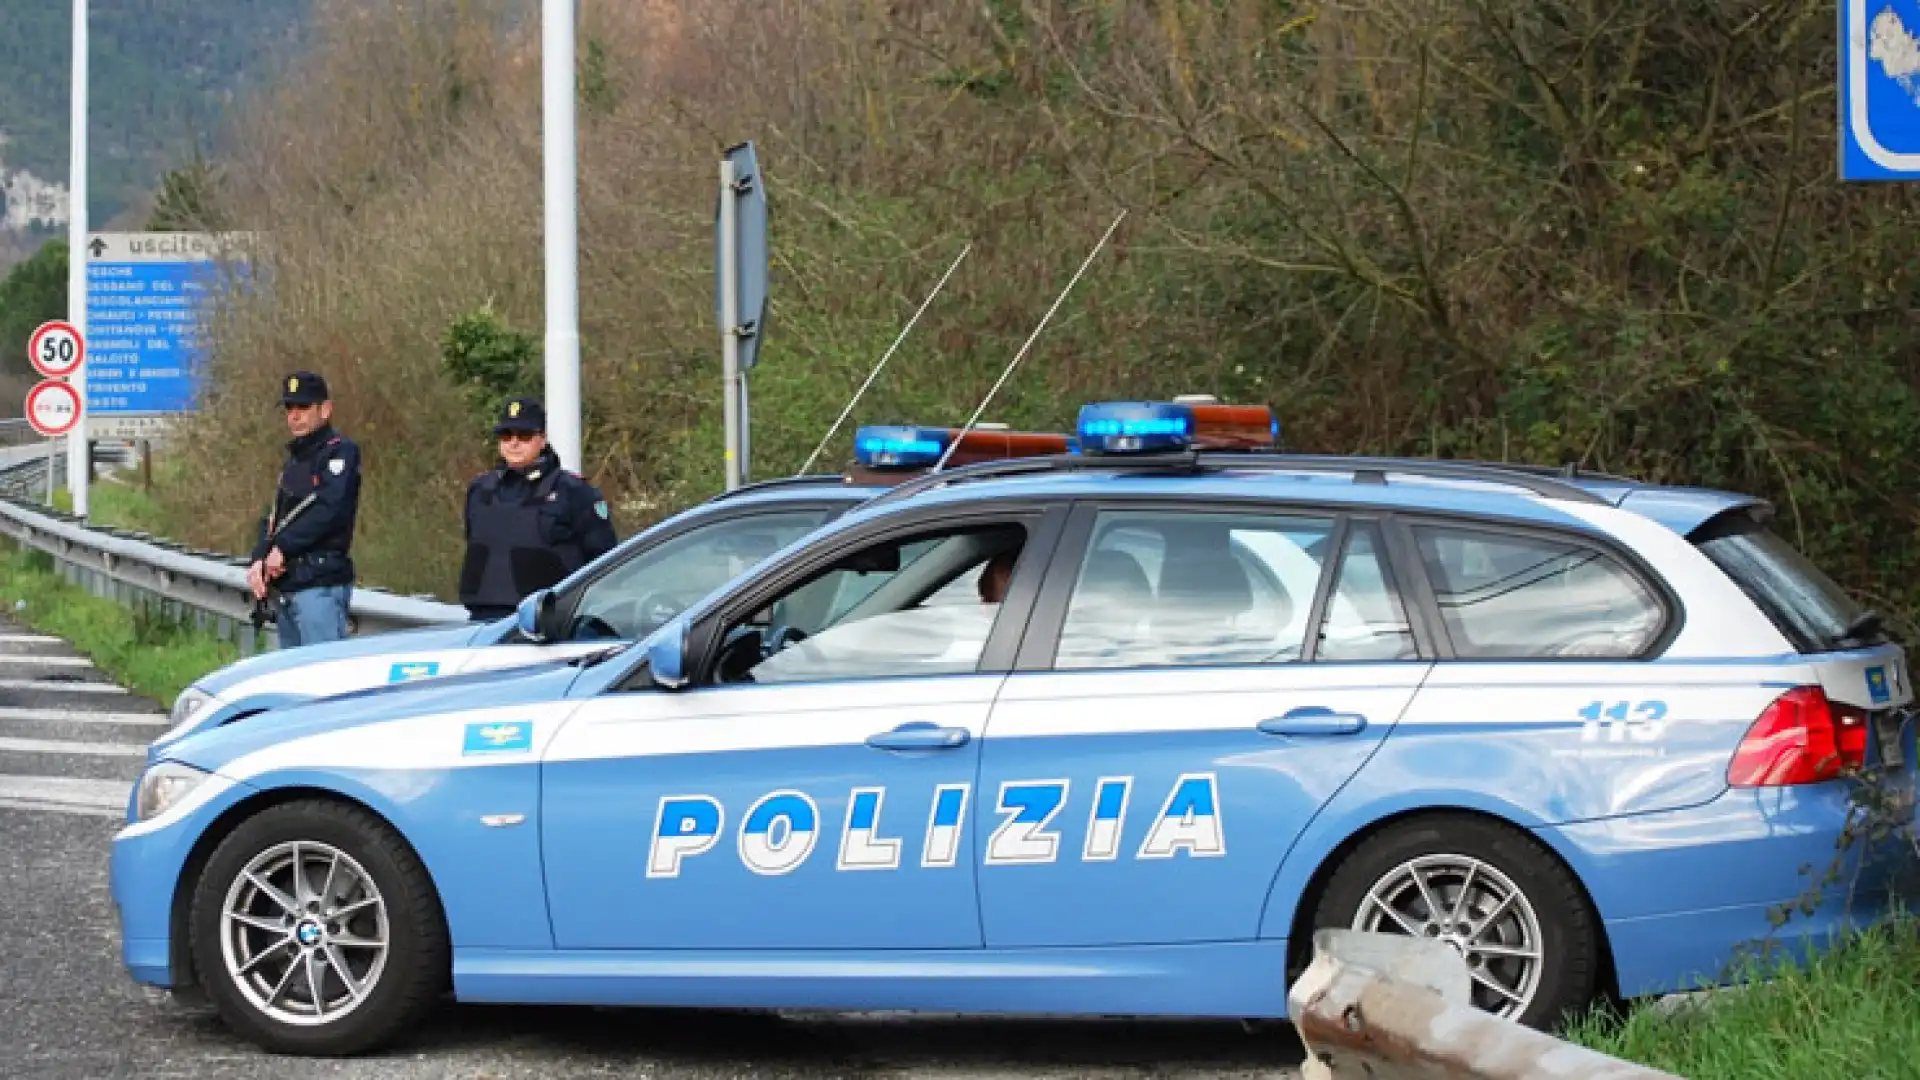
x: 303, y: 549
x: 530, y: 522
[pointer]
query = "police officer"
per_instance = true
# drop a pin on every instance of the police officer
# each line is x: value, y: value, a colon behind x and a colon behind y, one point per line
x: 530, y: 522
x: 305, y: 539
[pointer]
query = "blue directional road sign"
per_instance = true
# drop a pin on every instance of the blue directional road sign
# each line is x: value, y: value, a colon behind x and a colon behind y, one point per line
x: 1879, y: 88
x: 147, y: 294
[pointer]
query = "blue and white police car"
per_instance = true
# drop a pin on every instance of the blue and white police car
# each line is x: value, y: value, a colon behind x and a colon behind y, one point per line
x: 624, y: 595
x: 1193, y: 706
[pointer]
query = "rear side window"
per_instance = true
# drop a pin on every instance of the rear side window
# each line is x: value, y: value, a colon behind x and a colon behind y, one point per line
x: 1806, y: 605
x: 1507, y: 596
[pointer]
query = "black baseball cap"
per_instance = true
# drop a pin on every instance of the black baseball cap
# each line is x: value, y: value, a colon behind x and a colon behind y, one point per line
x: 303, y: 388
x: 522, y: 414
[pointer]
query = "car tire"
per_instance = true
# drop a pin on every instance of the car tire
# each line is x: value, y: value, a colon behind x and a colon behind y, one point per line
x: 1505, y: 873
x: 260, y: 971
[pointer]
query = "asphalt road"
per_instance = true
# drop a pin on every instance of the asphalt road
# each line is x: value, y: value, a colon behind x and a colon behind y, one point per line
x: 70, y: 743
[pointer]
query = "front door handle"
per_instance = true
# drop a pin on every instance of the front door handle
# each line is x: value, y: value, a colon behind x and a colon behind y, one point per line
x: 1313, y: 720
x: 920, y: 736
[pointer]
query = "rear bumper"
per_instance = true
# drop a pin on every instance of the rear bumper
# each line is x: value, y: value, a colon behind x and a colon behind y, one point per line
x: 1687, y: 896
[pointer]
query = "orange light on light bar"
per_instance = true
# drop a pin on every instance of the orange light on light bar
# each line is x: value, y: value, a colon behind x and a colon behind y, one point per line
x: 1232, y: 427
x: 976, y: 446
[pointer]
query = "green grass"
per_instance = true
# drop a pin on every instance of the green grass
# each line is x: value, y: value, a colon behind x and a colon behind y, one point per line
x: 140, y: 648
x: 1852, y: 1013
x: 117, y: 504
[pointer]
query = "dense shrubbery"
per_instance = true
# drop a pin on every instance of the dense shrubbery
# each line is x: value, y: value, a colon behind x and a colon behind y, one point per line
x: 1608, y: 233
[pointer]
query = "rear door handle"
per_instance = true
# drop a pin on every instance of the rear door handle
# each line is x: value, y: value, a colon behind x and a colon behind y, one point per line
x: 1313, y: 720
x: 920, y: 736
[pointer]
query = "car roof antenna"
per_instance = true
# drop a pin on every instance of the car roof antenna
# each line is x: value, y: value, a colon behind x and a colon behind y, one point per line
x: 1048, y: 317
x: 904, y: 331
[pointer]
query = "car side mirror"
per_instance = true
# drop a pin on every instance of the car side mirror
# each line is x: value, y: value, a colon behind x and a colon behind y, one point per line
x: 667, y: 654
x: 533, y: 614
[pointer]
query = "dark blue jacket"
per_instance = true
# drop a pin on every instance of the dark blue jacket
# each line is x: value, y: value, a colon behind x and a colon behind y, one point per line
x: 316, y: 542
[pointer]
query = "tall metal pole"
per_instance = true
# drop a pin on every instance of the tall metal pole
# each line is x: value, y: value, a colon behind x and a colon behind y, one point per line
x: 562, y: 240
x: 730, y: 319
x: 78, y: 465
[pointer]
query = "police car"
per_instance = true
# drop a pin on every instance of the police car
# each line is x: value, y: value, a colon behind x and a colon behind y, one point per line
x: 1587, y: 731
x: 623, y: 595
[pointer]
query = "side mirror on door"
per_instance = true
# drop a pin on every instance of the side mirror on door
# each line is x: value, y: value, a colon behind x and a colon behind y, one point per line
x: 667, y: 654
x: 533, y: 615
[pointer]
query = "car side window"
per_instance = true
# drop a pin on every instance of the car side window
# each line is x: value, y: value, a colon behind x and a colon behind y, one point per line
x: 1366, y: 618
x: 1181, y: 589
x: 1506, y: 596
x: 639, y: 596
x: 887, y: 610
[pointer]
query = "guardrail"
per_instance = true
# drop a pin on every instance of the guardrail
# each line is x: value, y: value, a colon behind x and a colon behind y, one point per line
x: 1395, y: 1007
x: 208, y: 587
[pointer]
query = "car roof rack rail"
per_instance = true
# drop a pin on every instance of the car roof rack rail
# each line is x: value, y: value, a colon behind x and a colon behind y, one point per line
x: 802, y: 480
x: 1537, y: 480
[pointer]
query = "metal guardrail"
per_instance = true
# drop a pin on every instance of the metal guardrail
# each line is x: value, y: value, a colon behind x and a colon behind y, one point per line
x: 1395, y: 1007
x: 208, y: 587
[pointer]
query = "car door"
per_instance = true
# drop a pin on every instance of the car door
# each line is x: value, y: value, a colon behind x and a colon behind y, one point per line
x: 806, y: 788
x: 1173, y: 725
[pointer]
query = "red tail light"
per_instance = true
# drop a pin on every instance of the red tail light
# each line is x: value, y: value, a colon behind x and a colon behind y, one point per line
x: 1802, y: 738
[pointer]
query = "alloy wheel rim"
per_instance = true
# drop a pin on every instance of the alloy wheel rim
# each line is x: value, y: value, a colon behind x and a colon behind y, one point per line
x: 1476, y: 909
x: 305, y: 933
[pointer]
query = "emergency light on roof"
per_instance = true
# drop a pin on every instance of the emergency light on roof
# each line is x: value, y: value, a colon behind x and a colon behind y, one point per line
x: 899, y: 448
x: 1134, y: 427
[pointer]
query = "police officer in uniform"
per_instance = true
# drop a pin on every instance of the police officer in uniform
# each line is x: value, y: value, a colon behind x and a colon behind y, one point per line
x: 303, y: 551
x: 530, y: 522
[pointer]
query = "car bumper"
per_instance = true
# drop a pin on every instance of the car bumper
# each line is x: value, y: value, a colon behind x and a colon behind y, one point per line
x: 143, y: 873
x: 1688, y: 896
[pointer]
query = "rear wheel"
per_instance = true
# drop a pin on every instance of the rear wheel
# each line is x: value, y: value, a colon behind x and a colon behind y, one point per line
x: 1518, y: 918
x: 316, y: 930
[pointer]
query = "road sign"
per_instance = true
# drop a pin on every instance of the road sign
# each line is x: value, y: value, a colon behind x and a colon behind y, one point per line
x: 1879, y: 92
x: 147, y: 295
x: 748, y: 264
x: 53, y: 407
x: 56, y: 349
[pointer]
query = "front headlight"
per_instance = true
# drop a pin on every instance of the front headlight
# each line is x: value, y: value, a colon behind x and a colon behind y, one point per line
x: 163, y: 786
x: 187, y: 706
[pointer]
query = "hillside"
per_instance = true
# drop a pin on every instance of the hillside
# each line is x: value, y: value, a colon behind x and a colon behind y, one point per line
x: 162, y: 74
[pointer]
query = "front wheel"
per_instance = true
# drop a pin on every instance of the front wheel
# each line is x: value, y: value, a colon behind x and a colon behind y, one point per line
x: 1517, y: 917
x: 316, y: 930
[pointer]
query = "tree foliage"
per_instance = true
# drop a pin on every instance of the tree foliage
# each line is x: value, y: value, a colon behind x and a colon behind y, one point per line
x: 31, y: 293
x: 1596, y: 232
x: 162, y: 74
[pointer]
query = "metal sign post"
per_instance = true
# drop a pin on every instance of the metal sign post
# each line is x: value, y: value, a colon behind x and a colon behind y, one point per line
x: 78, y: 472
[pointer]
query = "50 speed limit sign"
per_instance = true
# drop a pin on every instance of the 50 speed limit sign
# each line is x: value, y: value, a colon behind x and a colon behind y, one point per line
x: 56, y: 349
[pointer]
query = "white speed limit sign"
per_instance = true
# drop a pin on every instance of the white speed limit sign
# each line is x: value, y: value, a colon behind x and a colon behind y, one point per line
x: 56, y: 349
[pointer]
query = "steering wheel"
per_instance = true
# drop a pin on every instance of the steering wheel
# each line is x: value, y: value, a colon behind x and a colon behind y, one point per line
x: 600, y: 628
x: 779, y: 637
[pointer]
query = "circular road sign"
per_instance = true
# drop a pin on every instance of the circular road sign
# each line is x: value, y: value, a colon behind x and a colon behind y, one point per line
x: 56, y: 349
x: 53, y: 408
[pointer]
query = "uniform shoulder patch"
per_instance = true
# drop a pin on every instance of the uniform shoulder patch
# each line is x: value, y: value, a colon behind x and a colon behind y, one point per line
x: 600, y: 508
x: 337, y: 466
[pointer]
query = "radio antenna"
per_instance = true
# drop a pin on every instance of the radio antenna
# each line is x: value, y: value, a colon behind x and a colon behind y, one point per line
x: 875, y: 373
x: 1048, y: 317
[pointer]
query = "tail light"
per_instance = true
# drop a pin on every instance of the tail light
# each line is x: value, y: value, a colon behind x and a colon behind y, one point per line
x: 1802, y: 738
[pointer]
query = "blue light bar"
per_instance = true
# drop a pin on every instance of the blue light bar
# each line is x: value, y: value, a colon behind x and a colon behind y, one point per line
x: 1134, y: 427
x: 899, y: 446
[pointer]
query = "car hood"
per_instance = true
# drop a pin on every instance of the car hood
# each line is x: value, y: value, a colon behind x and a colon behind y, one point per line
x: 450, y: 636
x: 221, y: 738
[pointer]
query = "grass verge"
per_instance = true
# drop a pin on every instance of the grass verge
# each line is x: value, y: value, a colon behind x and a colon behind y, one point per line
x: 1851, y: 1013
x: 141, y: 648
